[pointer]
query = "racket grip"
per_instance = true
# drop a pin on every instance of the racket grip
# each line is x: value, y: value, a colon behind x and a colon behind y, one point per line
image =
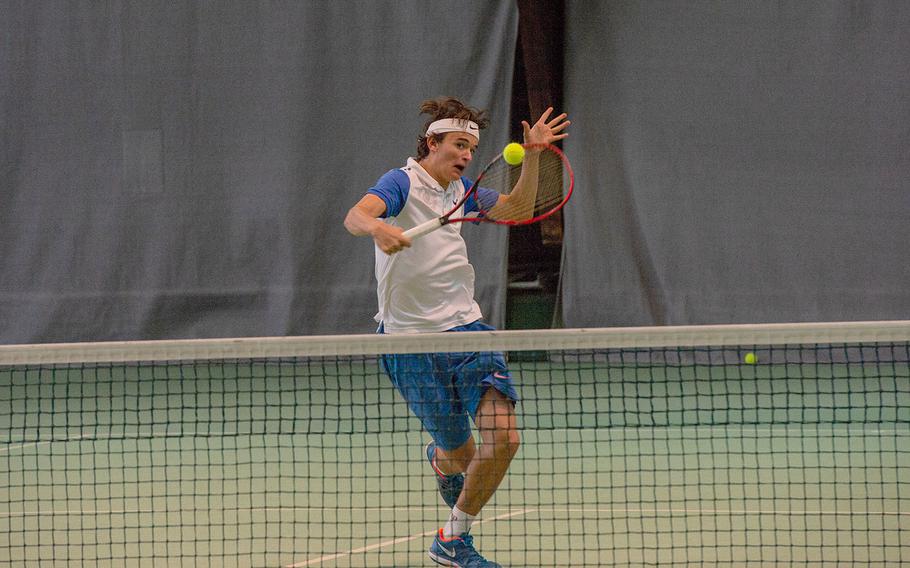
x: 423, y: 228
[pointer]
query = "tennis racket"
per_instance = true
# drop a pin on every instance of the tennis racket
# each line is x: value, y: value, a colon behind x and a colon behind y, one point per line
x: 534, y: 189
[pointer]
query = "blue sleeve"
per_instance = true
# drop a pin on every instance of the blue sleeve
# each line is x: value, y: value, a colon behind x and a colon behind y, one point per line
x: 393, y: 189
x: 487, y: 198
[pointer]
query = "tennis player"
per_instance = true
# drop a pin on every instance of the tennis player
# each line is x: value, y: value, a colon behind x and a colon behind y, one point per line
x: 430, y: 288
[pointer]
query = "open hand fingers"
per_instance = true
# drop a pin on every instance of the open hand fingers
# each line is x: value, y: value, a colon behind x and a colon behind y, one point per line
x: 546, y: 114
x: 546, y: 130
x: 559, y: 122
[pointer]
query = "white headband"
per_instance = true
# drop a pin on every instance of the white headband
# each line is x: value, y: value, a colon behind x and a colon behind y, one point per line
x: 454, y: 125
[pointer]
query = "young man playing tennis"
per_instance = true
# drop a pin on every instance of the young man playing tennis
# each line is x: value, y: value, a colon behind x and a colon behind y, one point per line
x: 430, y: 288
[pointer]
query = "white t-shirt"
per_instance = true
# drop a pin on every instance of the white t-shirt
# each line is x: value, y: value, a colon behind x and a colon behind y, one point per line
x: 428, y: 287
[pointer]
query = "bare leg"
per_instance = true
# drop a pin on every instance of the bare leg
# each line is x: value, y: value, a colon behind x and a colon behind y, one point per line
x: 488, y: 464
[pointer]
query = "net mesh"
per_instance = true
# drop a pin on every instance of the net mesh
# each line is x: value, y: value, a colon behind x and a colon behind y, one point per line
x: 638, y: 448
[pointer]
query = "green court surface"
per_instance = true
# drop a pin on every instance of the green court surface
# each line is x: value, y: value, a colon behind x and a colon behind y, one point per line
x: 290, y: 464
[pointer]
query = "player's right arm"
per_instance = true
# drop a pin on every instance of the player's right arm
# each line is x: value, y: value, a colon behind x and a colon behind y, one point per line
x: 363, y: 219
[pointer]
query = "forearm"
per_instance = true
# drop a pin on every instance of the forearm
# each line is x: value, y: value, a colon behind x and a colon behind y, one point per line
x: 361, y: 222
x: 519, y: 203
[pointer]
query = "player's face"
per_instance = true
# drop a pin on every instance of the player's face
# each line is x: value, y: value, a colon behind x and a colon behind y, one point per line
x: 453, y: 154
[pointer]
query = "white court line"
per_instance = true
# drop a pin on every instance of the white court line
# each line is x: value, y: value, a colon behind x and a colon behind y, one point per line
x: 796, y: 431
x: 182, y: 510
x: 124, y: 436
x: 761, y: 429
x: 810, y: 428
x: 9, y: 448
x: 393, y: 542
x: 554, y: 510
x: 399, y: 540
x: 656, y: 511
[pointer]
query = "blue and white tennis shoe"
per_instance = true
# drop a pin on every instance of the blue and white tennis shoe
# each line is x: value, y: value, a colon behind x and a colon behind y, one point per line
x: 458, y: 551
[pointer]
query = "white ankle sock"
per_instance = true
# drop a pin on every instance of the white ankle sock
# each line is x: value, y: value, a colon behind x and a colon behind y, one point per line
x: 458, y: 524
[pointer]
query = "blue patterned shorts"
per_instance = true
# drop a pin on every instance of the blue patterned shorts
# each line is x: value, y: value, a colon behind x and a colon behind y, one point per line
x: 444, y: 389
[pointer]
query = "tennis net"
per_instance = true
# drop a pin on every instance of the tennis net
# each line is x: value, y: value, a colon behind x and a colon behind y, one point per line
x: 639, y: 447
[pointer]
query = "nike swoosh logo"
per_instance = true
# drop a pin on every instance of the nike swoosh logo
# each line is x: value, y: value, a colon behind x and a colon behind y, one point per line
x: 449, y: 551
x: 500, y: 376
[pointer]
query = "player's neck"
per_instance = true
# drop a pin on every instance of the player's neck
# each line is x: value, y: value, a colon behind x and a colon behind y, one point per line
x: 430, y: 167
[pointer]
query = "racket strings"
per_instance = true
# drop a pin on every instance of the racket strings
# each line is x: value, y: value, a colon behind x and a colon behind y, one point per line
x: 515, y: 213
x: 549, y: 194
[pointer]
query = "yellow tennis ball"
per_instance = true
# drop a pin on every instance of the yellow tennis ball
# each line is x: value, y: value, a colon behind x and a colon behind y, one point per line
x: 513, y: 153
x: 750, y: 358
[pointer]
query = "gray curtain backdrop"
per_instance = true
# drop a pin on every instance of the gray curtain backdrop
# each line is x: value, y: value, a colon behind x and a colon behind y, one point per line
x: 738, y: 162
x: 182, y: 169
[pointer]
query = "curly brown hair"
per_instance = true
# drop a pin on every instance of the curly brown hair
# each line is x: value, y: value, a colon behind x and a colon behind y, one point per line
x: 446, y: 107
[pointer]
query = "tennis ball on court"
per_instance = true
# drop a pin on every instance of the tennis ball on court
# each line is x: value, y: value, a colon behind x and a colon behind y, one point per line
x: 750, y: 358
x: 513, y: 153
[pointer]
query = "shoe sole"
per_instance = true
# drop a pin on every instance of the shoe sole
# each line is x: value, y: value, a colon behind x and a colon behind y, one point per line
x: 426, y: 450
x: 439, y: 560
